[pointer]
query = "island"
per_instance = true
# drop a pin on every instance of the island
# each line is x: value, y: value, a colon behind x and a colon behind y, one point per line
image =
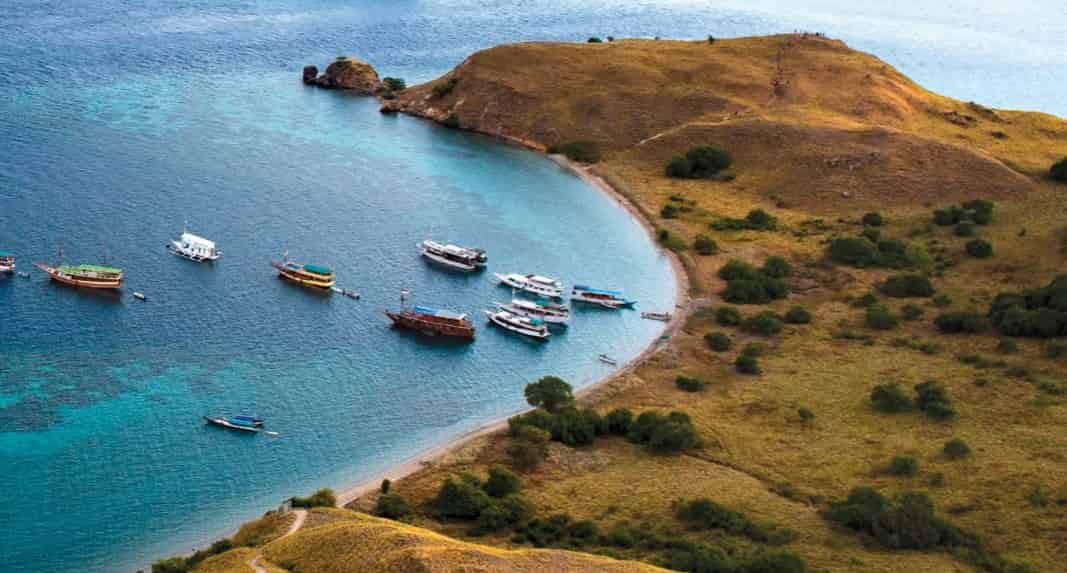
x: 868, y: 372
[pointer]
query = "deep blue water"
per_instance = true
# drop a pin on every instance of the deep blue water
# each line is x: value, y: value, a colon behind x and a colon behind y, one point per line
x: 121, y: 120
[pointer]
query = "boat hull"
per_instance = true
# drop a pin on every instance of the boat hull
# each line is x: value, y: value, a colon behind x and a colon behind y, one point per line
x: 178, y: 252
x: 304, y: 279
x: 535, y: 334
x: 222, y: 423
x: 80, y: 282
x: 611, y: 303
x: 449, y: 263
x: 530, y: 287
x: 411, y: 321
x: 546, y: 317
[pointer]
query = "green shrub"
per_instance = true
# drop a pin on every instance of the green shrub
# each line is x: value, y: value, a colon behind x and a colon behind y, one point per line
x: 979, y: 248
x: 747, y: 285
x: 911, y: 312
x: 550, y: 392
x: 705, y: 246
x: 711, y: 39
x: 670, y: 241
x: 501, y: 482
x: 707, y: 161
x: 529, y: 447
x: 941, y: 301
x: 872, y: 219
x: 890, y: 398
x: 907, y: 521
x: 955, y: 449
x: 964, y: 229
x: 386, y: 485
x: 746, y: 364
x: 594, y: 40
x: 718, y: 341
x: 679, y: 167
x: 879, y: 317
x: 689, y: 384
x: 754, y: 349
x: 452, y: 121
x: 669, y: 211
x: 1058, y: 171
x: 727, y: 316
x: 392, y: 506
x: 862, y: 252
x: 738, y: 270
x: 905, y: 285
x: 619, y: 421
x: 582, y: 151
x: 394, y: 84
x: 1056, y: 350
x: 805, y: 414
x: 864, y: 301
x: 903, y: 466
x: 321, y: 498
x: 664, y: 434
x: 872, y: 234
x: 960, y: 321
x: 766, y: 323
x: 442, y: 89
x: 1006, y: 346
x: 933, y: 399
x: 575, y: 427
x: 460, y: 499
x: 776, y: 268
x: 1039, y: 312
x: 755, y: 220
x: 798, y: 315
x: 854, y: 251
x: 502, y: 513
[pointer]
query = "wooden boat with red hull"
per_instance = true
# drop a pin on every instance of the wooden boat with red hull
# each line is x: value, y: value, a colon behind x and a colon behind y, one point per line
x: 433, y: 322
x: 84, y: 276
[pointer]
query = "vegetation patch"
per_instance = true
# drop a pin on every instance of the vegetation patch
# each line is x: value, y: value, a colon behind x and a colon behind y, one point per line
x: 1039, y: 312
x: 862, y: 252
x: 1058, y: 171
x: 718, y: 341
x: 702, y: 162
x: 977, y: 211
x: 689, y: 384
x: 704, y: 514
x: 905, y: 285
x: 582, y: 151
x: 745, y: 284
x: 755, y: 220
x: 443, y: 88
x: 321, y: 498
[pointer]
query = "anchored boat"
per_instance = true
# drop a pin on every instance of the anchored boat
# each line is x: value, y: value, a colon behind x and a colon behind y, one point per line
x: 194, y: 248
x: 549, y: 312
x: 535, y: 284
x: 433, y: 322
x: 606, y: 298
x: 7, y: 262
x: 531, y: 327
x: 84, y: 276
x: 239, y: 423
x: 316, y: 276
x: 452, y: 256
x: 662, y: 316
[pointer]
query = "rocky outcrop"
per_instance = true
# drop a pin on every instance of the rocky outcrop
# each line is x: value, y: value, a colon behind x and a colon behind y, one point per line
x: 345, y: 74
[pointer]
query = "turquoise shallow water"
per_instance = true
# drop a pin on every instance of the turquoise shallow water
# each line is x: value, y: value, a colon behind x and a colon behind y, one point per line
x: 120, y: 120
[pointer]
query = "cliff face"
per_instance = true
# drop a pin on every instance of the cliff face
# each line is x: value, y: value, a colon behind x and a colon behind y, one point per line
x: 858, y: 127
x: 345, y: 74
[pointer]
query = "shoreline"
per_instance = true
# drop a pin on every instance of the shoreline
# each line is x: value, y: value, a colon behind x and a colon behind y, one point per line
x: 682, y: 302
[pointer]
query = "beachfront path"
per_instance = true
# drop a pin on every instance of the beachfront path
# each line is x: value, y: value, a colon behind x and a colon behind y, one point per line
x: 301, y: 515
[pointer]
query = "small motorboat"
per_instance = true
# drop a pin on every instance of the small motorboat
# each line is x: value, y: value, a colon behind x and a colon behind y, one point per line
x: 534, y: 284
x: 7, y: 262
x: 233, y: 423
x: 612, y: 299
x: 24, y: 275
x: 549, y: 312
x: 349, y: 293
x: 607, y: 359
x: 453, y: 256
x: 140, y: 296
x: 194, y: 248
x: 662, y: 316
x: 531, y: 327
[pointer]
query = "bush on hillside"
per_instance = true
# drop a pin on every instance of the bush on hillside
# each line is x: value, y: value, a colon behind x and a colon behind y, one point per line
x: 955, y: 449
x: 933, y: 399
x: 766, y: 323
x: 670, y: 241
x: 582, y: 151
x: 441, y: 89
x: 727, y: 316
x: 798, y: 315
x: 978, y: 211
x: 903, y: 466
x: 964, y: 229
x: 393, y: 506
x: 452, y: 121
x: 890, y: 398
x: 701, y: 162
x: 862, y: 252
x: 669, y: 211
x: 321, y: 498
x: 747, y: 364
x: 979, y: 248
x: 776, y: 268
x: 1039, y: 312
x: 501, y: 482
x: 960, y: 321
x: 394, y: 84
x: 905, y: 285
x: 502, y: 513
x: 755, y: 220
x: 717, y: 341
x: 460, y: 499
x: 907, y: 521
x: 1058, y: 171
x: 705, y: 245
x: 550, y: 392
x: 619, y: 421
x: 664, y: 434
x: 703, y: 514
x: 529, y: 446
x: 747, y: 285
x: 594, y: 40
x: 689, y: 384
x: 911, y: 312
x: 880, y: 317
x: 872, y: 219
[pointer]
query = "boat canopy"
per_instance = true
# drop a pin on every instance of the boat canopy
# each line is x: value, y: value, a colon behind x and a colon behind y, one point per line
x: 91, y: 269
x: 195, y: 240
x: 597, y: 290
x: 318, y: 269
x: 6, y: 255
x: 439, y: 313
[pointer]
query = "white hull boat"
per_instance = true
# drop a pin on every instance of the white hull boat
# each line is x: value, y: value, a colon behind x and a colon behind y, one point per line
x: 612, y: 299
x: 525, y: 326
x: 194, y: 248
x: 533, y: 284
x: 548, y: 312
x: 452, y: 256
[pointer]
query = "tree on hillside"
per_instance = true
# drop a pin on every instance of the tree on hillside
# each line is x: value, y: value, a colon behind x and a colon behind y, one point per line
x: 1058, y: 172
x: 550, y: 393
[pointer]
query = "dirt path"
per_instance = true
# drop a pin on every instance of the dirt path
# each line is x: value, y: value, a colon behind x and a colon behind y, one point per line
x: 301, y: 515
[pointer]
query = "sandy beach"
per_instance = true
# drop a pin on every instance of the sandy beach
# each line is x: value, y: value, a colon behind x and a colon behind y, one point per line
x: 681, y: 278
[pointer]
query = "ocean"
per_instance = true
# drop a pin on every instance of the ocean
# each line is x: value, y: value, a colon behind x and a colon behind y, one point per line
x: 123, y: 122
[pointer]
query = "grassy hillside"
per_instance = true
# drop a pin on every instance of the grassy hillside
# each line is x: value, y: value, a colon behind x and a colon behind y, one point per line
x: 821, y: 137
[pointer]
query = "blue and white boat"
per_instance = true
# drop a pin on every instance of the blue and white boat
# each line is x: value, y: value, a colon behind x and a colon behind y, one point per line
x: 238, y: 423
x: 606, y: 298
x: 526, y: 326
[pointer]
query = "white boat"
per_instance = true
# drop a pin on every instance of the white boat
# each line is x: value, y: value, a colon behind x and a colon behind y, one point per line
x: 452, y: 256
x: 607, y: 359
x: 140, y: 296
x: 535, y: 284
x: 194, y: 248
x: 549, y: 312
x: 663, y: 316
x: 606, y: 298
x: 532, y: 327
x: 7, y: 262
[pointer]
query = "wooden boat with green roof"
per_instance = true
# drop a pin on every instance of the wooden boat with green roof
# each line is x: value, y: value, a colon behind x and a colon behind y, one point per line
x: 316, y: 276
x: 84, y: 276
